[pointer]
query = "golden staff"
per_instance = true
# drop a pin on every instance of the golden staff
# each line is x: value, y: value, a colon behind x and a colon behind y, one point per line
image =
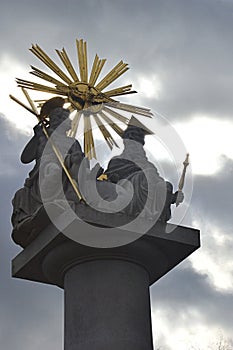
x: 182, y: 178
x: 56, y: 151
x: 23, y: 105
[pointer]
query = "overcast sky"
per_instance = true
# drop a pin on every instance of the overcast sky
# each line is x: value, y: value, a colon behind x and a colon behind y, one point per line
x: 181, y: 58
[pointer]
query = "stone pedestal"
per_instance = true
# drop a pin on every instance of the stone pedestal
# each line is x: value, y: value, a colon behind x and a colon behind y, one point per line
x: 107, y: 304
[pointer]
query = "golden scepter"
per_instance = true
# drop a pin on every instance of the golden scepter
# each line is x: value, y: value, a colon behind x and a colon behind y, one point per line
x: 182, y: 178
x: 33, y: 110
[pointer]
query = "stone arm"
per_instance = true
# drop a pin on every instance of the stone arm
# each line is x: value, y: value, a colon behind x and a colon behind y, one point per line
x: 74, y: 158
x: 120, y: 168
x: 171, y: 198
x: 30, y: 151
x: 177, y: 197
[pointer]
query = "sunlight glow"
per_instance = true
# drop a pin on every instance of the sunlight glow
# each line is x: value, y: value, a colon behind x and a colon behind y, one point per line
x: 148, y: 86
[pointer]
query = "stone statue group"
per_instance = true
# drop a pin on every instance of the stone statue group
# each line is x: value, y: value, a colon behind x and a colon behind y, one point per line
x: 130, y: 185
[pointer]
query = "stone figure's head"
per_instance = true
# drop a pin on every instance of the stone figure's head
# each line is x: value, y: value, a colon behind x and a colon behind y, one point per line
x: 55, y: 115
x: 136, y: 131
x: 50, y: 105
x: 59, y: 120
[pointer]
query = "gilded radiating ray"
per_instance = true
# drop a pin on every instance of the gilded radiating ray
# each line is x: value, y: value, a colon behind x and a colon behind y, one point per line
x: 106, y: 134
x: 96, y: 69
x: 49, y: 62
x: 116, y: 115
x: 67, y: 63
x: 39, y: 87
x: 40, y: 74
x: 89, y: 146
x: 111, y: 123
x: 130, y: 108
x: 86, y: 92
x: 75, y: 124
x: 115, y: 73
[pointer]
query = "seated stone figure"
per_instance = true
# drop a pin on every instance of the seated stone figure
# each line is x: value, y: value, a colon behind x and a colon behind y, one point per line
x: 46, y: 176
x: 138, y: 179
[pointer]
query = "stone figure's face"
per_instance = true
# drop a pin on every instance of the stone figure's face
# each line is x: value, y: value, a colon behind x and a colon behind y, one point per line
x: 60, y: 122
x: 134, y: 133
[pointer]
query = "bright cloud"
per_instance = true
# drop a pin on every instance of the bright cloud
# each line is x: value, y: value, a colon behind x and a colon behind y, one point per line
x: 195, y: 334
x: 9, y: 70
x: 206, y: 140
x: 148, y: 86
x: 215, y: 256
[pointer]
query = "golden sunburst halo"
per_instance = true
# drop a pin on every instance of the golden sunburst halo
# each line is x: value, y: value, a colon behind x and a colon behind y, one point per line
x: 86, y: 94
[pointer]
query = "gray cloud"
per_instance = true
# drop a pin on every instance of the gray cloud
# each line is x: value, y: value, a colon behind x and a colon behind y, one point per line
x: 213, y: 194
x: 30, y: 314
x: 185, y: 43
x: 184, y: 289
x: 187, y: 300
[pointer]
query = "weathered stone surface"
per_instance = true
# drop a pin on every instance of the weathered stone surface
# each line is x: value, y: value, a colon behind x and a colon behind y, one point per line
x: 159, y: 250
x: 107, y: 306
x: 107, y: 301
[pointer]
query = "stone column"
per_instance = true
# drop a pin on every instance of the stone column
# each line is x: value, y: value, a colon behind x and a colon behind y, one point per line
x: 107, y: 306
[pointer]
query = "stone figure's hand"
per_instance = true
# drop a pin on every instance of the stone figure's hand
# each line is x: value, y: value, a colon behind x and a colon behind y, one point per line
x: 96, y: 171
x: 38, y: 130
x: 179, y: 197
x: 99, y: 172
